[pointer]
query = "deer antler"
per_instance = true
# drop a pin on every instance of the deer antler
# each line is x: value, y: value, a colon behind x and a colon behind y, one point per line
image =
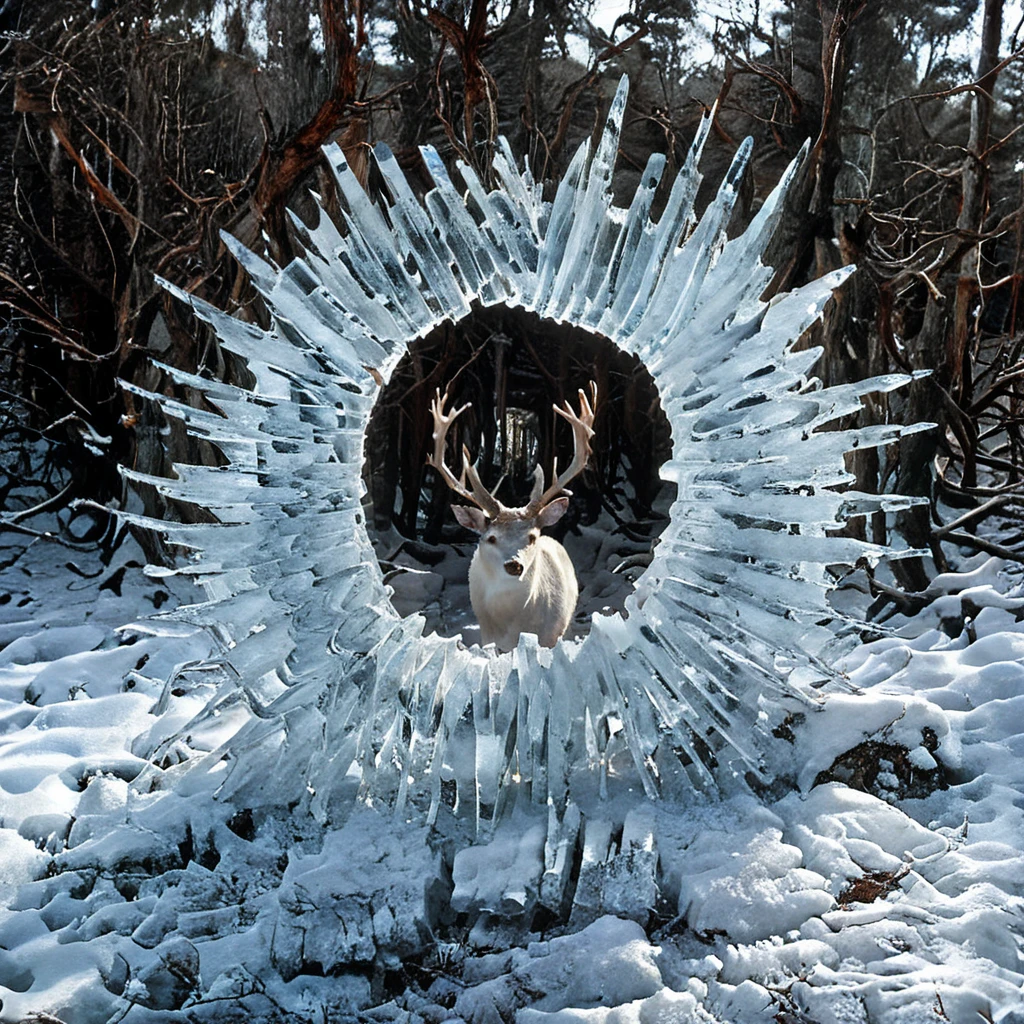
x: 582, y: 431
x: 479, y: 495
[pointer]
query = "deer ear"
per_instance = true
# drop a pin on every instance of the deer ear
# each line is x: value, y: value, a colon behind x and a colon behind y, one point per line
x: 471, y: 518
x: 552, y: 512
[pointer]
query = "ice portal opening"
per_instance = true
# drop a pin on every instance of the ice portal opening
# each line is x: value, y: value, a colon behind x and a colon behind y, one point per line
x: 512, y: 365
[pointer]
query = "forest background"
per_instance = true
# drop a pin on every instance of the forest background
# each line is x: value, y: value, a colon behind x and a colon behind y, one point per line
x: 134, y: 132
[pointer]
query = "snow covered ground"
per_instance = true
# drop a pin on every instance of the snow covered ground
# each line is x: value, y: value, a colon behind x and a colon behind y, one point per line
x: 196, y: 820
x: 879, y: 878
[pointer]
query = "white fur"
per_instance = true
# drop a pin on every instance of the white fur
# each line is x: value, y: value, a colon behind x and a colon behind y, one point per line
x: 541, y: 600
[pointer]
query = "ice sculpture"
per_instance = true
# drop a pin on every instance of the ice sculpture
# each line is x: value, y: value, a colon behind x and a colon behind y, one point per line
x: 338, y: 695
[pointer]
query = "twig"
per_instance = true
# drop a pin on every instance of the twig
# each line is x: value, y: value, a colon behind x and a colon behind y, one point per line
x: 52, y: 502
x: 967, y: 87
x: 967, y: 540
x: 980, y: 512
x: 8, y: 524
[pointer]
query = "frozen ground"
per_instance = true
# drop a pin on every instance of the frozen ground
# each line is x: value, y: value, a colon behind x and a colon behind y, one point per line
x: 879, y: 879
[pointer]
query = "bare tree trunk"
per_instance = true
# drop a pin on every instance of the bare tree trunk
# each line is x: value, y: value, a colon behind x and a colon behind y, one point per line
x: 819, y: 78
x: 974, y: 177
x: 942, y: 342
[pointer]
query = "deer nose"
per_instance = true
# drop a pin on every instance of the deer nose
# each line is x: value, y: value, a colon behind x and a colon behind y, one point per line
x: 514, y: 567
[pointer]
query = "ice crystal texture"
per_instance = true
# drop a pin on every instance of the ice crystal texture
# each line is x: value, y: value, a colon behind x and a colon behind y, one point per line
x: 337, y: 695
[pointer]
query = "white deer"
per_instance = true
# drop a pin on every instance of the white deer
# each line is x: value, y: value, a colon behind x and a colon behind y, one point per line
x: 519, y: 580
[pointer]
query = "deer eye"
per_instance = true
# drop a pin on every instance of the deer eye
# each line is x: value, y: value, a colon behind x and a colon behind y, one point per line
x: 492, y: 539
x: 531, y: 538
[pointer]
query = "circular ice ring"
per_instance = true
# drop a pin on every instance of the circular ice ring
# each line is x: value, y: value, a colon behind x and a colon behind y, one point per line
x: 346, y: 695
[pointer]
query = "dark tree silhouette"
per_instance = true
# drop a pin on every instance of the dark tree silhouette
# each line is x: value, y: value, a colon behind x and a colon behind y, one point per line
x: 136, y: 131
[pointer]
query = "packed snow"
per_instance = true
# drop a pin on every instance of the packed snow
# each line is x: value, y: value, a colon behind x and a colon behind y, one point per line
x: 879, y: 879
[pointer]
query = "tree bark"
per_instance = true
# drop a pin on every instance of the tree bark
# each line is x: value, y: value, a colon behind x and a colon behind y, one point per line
x: 942, y: 344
